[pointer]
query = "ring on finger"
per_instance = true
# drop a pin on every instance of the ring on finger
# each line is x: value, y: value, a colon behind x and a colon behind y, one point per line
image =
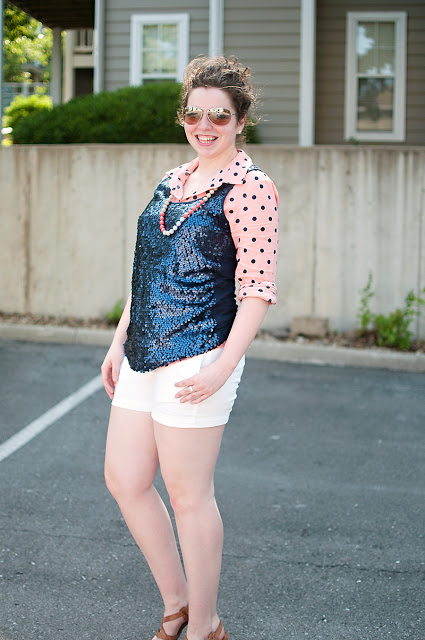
x: 191, y: 389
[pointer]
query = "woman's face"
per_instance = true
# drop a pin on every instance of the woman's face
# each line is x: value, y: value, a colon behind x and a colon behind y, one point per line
x: 212, y: 141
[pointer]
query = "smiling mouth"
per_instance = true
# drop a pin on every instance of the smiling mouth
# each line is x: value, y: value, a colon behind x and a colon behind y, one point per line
x: 206, y: 139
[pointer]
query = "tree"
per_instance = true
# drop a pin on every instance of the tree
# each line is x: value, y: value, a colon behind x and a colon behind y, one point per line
x: 25, y: 41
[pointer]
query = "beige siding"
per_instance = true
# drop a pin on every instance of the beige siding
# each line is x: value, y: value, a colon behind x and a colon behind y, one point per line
x: 117, y: 33
x: 330, y: 66
x: 266, y: 36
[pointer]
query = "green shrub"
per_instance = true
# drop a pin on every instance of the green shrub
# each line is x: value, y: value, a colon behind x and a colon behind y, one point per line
x: 129, y: 115
x: 251, y: 134
x: 24, y: 106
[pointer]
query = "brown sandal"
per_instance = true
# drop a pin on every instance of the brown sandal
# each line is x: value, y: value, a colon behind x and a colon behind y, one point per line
x: 215, y: 635
x: 161, y: 634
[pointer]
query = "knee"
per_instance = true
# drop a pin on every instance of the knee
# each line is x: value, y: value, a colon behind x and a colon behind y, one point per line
x: 124, y: 485
x: 181, y: 503
x: 111, y: 482
x: 185, y: 502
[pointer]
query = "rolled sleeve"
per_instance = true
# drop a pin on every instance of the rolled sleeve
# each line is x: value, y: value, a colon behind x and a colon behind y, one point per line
x: 251, y: 209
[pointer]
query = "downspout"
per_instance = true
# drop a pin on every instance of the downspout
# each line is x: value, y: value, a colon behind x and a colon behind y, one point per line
x: 216, y: 28
x: 306, y: 116
x: 99, y: 46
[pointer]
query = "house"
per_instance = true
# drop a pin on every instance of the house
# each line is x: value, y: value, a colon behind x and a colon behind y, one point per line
x: 329, y: 71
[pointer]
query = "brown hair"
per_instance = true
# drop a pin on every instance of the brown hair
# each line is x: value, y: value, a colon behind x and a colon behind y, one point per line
x: 221, y: 73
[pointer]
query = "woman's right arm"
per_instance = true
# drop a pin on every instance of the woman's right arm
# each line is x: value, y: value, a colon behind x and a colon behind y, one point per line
x: 113, y: 359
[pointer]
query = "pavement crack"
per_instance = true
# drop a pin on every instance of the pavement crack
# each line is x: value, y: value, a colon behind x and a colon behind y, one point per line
x: 70, y: 536
x: 317, y: 565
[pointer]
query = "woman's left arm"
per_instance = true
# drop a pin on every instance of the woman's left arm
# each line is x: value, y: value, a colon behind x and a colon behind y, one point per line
x: 248, y: 320
x: 251, y: 210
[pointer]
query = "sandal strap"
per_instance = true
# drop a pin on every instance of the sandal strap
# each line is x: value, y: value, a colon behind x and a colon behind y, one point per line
x: 215, y: 635
x: 183, y: 613
x: 161, y: 634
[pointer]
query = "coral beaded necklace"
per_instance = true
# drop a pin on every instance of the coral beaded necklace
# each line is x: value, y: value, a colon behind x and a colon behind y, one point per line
x: 195, y: 207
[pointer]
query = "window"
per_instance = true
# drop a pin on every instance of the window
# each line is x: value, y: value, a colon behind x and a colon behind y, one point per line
x: 375, y: 82
x: 158, y: 47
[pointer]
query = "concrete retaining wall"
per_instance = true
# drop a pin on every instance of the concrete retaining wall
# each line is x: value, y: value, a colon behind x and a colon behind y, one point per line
x: 69, y: 213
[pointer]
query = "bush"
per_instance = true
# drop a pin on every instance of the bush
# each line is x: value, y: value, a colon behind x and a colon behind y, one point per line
x: 130, y: 115
x: 24, y: 106
x: 251, y: 134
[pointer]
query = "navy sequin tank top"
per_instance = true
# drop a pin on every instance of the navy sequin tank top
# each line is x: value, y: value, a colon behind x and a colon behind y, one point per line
x: 183, y: 286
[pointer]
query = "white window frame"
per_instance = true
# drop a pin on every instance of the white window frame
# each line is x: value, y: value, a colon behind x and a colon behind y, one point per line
x: 398, y: 134
x: 138, y: 20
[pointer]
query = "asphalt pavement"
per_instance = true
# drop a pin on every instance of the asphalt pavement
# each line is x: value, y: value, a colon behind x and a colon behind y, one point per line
x: 320, y: 483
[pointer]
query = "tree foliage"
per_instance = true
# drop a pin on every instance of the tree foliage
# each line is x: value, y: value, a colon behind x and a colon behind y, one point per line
x: 25, y: 41
x: 24, y: 106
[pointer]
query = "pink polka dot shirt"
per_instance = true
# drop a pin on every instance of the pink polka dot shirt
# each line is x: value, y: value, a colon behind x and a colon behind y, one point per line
x: 251, y: 208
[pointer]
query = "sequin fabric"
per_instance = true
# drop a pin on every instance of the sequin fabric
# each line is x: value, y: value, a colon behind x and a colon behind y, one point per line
x: 183, y: 286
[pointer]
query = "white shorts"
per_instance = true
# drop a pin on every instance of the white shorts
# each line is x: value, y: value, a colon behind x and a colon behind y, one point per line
x: 154, y: 392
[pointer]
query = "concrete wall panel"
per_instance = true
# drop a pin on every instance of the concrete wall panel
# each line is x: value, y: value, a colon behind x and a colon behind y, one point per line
x: 14, y: 209
x: 69, y: 216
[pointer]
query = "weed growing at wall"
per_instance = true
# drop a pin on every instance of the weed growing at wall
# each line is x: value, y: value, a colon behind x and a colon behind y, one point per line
x: 394, y: 329
x: 365, y: 315
x: 114, y: 316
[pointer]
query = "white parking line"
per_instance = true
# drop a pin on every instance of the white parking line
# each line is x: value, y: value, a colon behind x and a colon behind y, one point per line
x: 37, y: 426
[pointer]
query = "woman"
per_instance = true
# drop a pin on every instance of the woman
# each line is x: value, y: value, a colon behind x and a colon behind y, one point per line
x: 178, y: 352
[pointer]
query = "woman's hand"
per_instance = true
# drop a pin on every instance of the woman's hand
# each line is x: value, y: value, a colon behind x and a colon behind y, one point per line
x: 113, y: 359
x: 205, y: 383
x: 111, y: 367
x: 248, y: 320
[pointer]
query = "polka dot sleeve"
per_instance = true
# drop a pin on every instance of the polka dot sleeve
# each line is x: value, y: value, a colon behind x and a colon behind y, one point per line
x: 251, y: 209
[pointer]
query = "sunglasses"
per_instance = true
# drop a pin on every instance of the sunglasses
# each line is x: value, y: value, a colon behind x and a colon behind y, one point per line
x: 217, y: 115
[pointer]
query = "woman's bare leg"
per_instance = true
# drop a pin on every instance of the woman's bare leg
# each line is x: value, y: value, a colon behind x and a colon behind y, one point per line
x: 131, y: 463
x: 188, y: 458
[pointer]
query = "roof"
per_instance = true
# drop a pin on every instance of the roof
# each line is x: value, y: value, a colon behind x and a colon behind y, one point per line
x: 66, y: 14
